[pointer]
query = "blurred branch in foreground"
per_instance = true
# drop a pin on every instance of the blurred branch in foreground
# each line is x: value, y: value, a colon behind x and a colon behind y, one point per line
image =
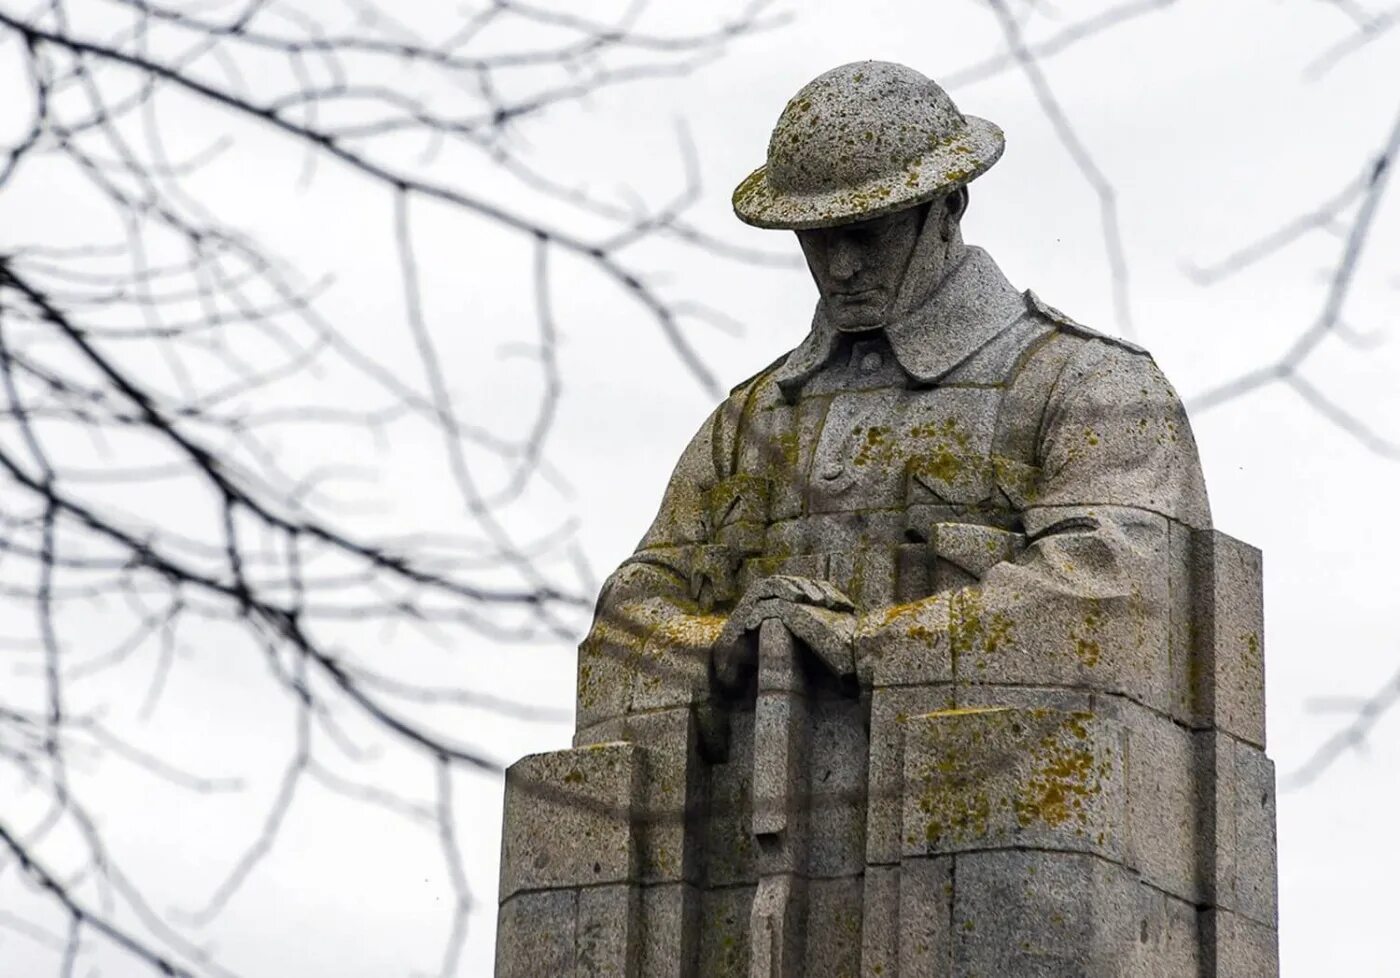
x: 165, y: 383
x: 1350, y: 213
x: 1364, y: 714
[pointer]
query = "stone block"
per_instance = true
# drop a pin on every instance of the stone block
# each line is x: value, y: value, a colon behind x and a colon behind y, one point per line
x: 730, y: 852
x: 833, y: 928
x: 1168, y: 944
x: 1235, y: 947
x: 1239, y: 839
x: 974, y: 549
x: 880, y: 922
x: 994, y: 777
x: 889, y: 709
x: 835, y: 791
x: 535, y: 935
x: 670, y: 931
x: 607, y: 933
x: 915, y: 572
x: 857, y: 462
x: 824, y: 544
x: 738, y: 501
x: 777, y: 936
x: 1064, y: 699
x: 925, y: 917
x: 1162, y: 810
x: 569, y: 819
x: 724, y: 932
x: 1228, y: 678
x: 671, y: 796
x: 778, y: 805
x: 1256, y: 836
x: 1042, y: 915
x: 799, y: 565
x: 1182, y: 627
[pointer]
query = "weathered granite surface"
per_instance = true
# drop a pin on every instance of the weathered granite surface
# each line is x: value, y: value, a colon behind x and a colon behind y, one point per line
x: 931, y: 664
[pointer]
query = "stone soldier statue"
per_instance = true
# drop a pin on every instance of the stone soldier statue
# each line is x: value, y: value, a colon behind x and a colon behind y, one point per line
x: 930, y: 664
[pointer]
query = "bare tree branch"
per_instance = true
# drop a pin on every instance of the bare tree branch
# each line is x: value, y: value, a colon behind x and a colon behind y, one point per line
x: 1286, y: 368
x: 1353, y: 736
x: 160, y: 379
x: 1083, y: 159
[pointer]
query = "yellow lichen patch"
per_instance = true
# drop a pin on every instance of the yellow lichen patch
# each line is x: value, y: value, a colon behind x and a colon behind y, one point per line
x: 942, y: 455
x: 689, y: 631
x: 1020, y: 481
x: 972, y: 631
x: 914, y: 618
x: 750, y: 186
x: 1065, y: 778
x: 611, y: 653
x: 896, y: 611
x: 1086, y: 644
x: 964, y: 711
x: 947, y: 430
x: 1251, y: 650
x: 984, y: 775
x: 1088, y: 651
x: 788, y: 448
x: 943, y: 465
x: 875, y: 446
x: 678, y: 647
x: 952, y: 812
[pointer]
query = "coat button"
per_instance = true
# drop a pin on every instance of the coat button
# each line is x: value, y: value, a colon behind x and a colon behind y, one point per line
x: 832, y: 471
x: 871, y: 362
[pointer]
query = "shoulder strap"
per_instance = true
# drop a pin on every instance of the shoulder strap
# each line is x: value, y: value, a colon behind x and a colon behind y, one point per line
x: 1069, y: 325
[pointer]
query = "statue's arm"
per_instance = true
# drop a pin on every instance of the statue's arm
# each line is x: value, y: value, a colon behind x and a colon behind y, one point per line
x: 651, y: 635
x: 1118, y: 465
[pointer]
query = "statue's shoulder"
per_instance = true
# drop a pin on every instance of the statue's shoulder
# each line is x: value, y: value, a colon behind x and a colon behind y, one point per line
x: 1037, y: 306
x: 742, y: 388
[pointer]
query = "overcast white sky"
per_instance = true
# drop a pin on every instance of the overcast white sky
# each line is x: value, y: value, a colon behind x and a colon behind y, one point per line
x: 1201, y: 117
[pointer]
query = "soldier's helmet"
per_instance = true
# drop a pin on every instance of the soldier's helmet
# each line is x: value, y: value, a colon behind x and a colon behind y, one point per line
x: 865, y: 139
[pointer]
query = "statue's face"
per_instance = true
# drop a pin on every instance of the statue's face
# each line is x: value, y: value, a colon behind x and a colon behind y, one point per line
x: 859, y: 267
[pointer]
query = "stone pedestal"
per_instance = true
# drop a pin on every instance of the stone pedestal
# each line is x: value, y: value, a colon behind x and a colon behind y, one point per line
x: 1061, y: 799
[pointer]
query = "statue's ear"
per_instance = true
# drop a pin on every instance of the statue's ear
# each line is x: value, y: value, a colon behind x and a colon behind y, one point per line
x: 957, y: 203
x: 950, y: 213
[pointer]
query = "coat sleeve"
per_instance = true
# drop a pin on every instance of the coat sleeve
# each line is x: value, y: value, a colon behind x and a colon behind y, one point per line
x: 650, y: 640
x: 1118, y: 468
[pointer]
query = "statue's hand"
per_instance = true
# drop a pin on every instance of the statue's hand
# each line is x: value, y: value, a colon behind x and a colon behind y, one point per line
x: 814, y: 611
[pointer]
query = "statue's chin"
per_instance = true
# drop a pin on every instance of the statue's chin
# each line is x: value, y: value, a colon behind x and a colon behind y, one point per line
x: 856, y: 317
x: 862, y: 324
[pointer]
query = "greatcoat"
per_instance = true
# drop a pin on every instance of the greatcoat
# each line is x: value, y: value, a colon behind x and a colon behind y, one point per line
x: 983, y: 462
x: 1007, y: 500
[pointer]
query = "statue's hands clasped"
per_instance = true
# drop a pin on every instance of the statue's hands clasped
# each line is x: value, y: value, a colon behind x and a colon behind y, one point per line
x: 814, y: 611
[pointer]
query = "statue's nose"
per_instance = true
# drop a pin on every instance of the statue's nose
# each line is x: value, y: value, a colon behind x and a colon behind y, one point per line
x: 845, y: 260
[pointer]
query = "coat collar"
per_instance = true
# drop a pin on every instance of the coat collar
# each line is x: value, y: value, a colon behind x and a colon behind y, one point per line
x: 972, y: 304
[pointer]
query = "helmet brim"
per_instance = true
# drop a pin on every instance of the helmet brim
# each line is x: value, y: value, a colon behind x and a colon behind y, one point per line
x: 952, y: 164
